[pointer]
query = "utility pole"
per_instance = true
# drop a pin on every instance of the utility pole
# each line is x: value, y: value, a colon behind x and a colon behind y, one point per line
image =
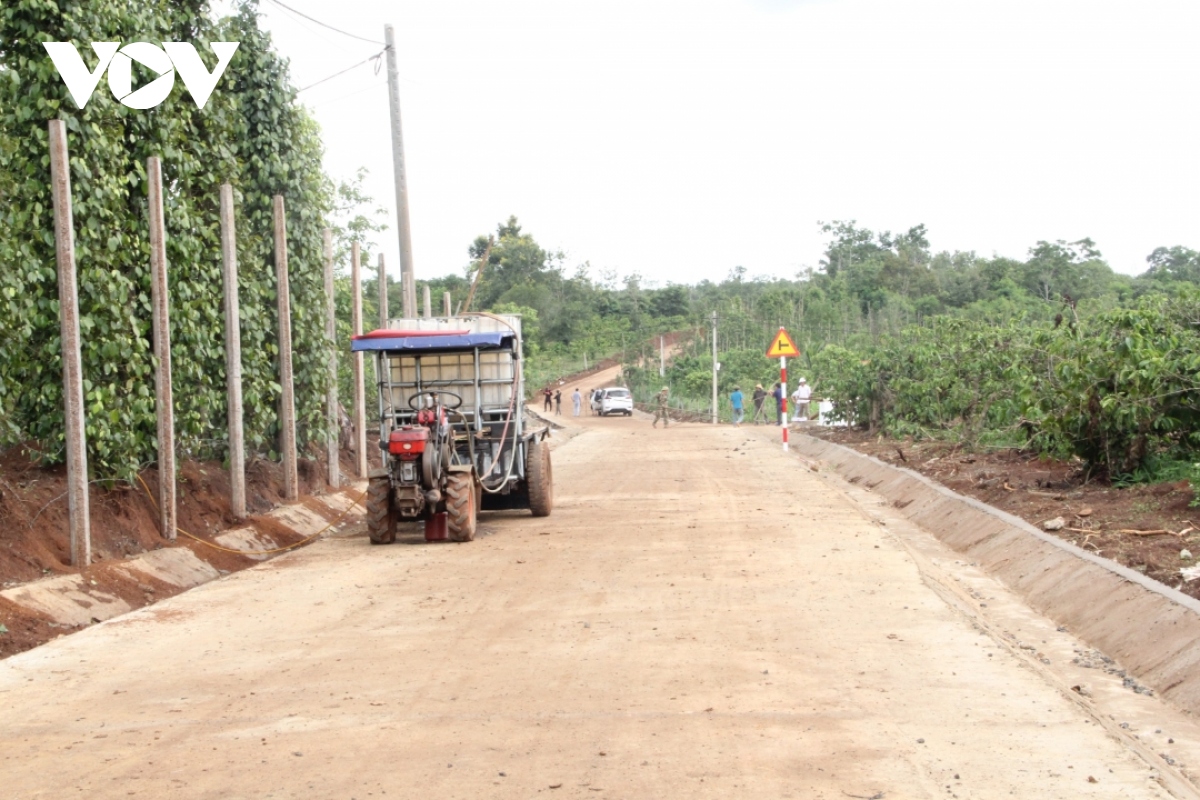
x: 716, y: 367
x: 407, y: 281
x: 662, y: 358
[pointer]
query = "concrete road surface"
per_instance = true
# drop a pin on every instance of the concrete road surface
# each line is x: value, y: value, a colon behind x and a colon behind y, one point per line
x: 701, y: 616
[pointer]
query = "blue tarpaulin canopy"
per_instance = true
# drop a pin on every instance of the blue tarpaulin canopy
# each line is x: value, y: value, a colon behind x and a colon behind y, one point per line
x: 465, y: 341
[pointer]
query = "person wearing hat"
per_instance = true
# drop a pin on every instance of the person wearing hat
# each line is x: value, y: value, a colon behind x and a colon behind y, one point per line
x: 801, y: 398
x: 662, y: 408
x: 760, y: 394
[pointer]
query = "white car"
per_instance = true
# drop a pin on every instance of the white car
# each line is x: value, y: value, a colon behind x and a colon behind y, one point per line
x: 613, y: 400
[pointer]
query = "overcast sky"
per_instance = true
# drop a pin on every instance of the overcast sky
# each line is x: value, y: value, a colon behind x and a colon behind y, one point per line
x: 681, y: 139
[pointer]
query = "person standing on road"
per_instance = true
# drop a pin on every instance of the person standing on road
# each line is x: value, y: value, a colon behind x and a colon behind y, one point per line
x: 661, y: 411
x: 760, y: 394
x: 801, y: 398
x: 549, y: 396
x: 738, y: 401
x: 577, y: 401
x: 777, y: 393
x: 558, y: 403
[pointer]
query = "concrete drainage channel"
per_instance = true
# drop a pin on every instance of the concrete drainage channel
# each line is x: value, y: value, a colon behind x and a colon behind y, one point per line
x: 1153, y: 630
x: 76, y: 601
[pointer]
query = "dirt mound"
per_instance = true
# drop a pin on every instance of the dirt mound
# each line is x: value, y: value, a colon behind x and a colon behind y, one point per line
x: 35, y: 543
x: 1116, y: 523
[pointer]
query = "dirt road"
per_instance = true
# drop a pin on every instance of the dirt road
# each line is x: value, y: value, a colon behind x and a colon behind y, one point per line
x: 702, y: 616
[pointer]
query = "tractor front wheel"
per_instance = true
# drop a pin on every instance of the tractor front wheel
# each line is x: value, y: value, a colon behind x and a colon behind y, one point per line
x: 381, y: 517
x: 462, y: 507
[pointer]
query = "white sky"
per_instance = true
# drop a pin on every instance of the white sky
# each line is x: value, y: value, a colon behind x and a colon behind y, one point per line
x: 679, y: 139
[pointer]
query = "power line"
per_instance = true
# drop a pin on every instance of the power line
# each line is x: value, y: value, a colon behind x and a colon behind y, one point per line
x: 334, y: 41
x: 323, y: 25
x: 344, y: 97
x: 374, y: 58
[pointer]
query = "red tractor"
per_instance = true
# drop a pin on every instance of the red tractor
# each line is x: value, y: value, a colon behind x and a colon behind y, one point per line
x: 453, y: 431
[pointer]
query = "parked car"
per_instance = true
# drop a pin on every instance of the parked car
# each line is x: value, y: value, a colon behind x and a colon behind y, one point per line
x: 613, y: 400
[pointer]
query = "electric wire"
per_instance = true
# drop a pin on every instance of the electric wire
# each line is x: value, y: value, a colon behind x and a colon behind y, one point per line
x: 325, y: 25
x: 374, y: 58
x: 343, y: 97
x: 334, y: 40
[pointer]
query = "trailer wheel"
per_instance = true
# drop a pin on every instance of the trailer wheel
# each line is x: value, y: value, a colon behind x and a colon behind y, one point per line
x: 381, y: 517
x: 540, y: 478
x: 461, y: 508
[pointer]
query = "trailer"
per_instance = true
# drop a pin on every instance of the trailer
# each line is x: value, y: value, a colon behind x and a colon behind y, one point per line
x: 452, y: 428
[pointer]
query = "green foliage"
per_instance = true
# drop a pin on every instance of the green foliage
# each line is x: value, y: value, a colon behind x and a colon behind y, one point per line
x: 1119, y: 389
x: 252, y: 134
x: 1123, y: 388
x: 948, y: 376
x: 1053, y: 352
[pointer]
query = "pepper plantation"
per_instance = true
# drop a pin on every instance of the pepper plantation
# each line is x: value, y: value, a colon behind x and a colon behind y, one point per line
x: 251, y: 134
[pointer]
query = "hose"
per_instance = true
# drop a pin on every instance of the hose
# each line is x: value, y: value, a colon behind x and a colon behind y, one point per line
x: 511, y: 404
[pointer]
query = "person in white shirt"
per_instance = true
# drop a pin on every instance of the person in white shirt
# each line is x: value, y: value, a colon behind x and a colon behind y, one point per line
x: 800, y: 399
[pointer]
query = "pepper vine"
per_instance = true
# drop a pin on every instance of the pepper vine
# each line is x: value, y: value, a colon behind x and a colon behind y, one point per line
x: 252, y: 134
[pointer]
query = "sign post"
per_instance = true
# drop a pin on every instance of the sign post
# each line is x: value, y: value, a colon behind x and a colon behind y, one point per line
x: 781, y: 348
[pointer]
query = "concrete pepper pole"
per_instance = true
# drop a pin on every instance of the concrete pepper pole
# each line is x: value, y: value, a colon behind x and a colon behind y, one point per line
x: 233, y: 356
x: 79, y: 515
x: 383, y: 294
x: 331, y: 395
x: 160, y: 300
x: 360, y: 389
x: 287, y: 411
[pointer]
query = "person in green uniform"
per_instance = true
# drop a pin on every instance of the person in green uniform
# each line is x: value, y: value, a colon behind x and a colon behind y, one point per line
x: 661, y: 412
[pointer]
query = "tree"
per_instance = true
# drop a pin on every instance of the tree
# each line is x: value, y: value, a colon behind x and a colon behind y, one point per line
x: 1173, y: 264
x: 1065, y: 269
x: 356, y: 217
x: 515, y: 259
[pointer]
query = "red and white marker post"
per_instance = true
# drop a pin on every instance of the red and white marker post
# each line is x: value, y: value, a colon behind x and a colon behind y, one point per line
x: 783, y: 398
x: 781, y: 348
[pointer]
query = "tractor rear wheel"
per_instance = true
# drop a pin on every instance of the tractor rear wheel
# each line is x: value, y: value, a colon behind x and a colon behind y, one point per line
x: 381, y: 517
x: 461, y: 507
x: 539, y: 477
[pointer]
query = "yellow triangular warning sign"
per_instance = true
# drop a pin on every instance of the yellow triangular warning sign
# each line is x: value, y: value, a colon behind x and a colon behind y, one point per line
x: 783, y: 346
